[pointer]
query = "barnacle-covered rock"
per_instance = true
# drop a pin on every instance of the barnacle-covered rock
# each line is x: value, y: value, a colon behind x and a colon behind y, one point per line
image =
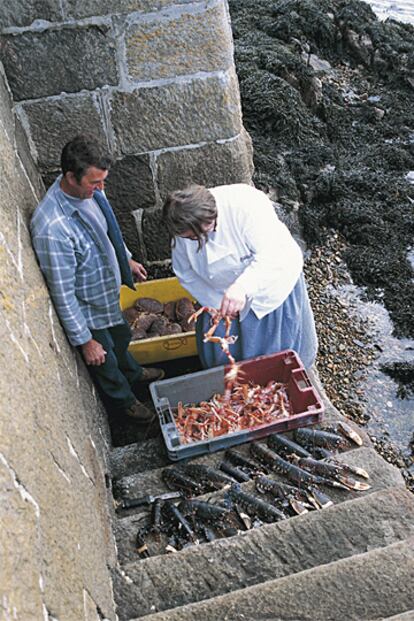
x: 149, y: 305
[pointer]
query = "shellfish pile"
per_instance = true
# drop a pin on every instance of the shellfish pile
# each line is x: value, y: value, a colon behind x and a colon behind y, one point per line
x: 149, y: 318
x: 245, y: 406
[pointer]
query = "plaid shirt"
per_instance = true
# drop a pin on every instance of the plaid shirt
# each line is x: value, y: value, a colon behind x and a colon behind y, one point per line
x: 78, y: 272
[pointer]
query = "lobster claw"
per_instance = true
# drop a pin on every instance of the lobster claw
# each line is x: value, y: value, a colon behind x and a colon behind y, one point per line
x: 349, y: 432
x: 298, y: 507
x: 352, y: 484
x: 322, y: 500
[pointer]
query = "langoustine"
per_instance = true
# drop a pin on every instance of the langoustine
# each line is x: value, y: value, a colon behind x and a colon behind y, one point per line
x: 241, y: 406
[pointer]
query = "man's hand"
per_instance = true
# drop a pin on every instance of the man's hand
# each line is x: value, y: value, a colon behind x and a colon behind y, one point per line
x: 138, y: 270
x: 94, y: 353
x: 233, y: 301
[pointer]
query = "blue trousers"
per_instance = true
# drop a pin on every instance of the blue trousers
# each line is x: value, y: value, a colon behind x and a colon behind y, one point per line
x: 116, y: 377
x: 290, y: 326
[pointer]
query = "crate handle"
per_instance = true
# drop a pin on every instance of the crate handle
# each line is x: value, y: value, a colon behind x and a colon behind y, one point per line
x: 175, y: 343
x: 301, y: 379
x: 169, y: 427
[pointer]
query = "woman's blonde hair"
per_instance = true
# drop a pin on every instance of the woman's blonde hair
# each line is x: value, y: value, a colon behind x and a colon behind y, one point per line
x: 188, y: 210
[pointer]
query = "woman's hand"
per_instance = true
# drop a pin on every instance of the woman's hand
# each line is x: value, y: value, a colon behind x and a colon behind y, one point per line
x: 138, y: 270
x: 233, y: 301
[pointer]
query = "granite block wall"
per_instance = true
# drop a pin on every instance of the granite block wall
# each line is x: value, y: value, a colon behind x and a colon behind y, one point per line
x: 56, y: 541
x: 153, y: 80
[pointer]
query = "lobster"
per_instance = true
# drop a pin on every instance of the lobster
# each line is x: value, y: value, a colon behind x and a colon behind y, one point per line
x: 233, y: 471
x: 207, y: 476
x: 254, y: 506
x: 325, y: 469
x: 238, y: 459
x: 177, y: 479
x: 290, y: 495
x: 294, y: 473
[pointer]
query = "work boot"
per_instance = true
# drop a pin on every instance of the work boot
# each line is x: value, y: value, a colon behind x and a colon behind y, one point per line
x: 140, y: 413
x: 151, y: 375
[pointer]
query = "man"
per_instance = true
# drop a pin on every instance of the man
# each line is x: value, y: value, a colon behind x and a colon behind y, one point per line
x: 82, y: 255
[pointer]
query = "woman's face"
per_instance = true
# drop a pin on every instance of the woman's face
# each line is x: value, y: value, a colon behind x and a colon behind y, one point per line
x: 207, y: 228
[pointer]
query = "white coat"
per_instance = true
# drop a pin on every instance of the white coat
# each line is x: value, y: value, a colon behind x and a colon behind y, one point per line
x: 250, y: 245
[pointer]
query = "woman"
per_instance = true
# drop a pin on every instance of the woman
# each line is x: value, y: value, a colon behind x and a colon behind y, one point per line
x: 232, y: 253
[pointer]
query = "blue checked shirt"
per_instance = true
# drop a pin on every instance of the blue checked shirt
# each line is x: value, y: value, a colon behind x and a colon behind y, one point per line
x: 78, y: 271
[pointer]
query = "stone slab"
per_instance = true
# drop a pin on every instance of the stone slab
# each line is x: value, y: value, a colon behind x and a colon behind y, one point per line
x: 210, y: 165
x: 6, y: 105
x: 39, y: 64
x: 267, y: 553
x: 23, y: 150
x: 182, y: 113
x: 130, y: 185
x: 54, y: 122
x: 55, y: 513
x: 25, y: 12
x: 125, y: 460
x: 367, y: 586
x: 19, y: 518
x: 383, y: 476
x: 77, y: 9
x: 179, y: 43
x: 155, y: 235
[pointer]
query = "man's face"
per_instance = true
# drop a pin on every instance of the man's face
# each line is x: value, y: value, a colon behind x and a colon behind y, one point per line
x: 93, y: 179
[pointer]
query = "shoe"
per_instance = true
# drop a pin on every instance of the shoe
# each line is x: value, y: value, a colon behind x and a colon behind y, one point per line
x: 140, y: 413
x: 151, y: 375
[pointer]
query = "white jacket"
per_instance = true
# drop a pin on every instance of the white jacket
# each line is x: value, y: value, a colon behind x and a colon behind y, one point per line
x: 250, y: 245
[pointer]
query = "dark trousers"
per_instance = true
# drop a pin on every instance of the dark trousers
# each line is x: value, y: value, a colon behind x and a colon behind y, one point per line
x: 120, y: 370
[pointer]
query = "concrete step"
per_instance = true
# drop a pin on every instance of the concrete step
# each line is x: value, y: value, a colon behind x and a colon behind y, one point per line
x: 269, y: 552
x: 373, y: 585
x: 404, y: 616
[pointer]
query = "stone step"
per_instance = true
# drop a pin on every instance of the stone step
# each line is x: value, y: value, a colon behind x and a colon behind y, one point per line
x: 382, y: 474
x: 138, y: 457
x: 265, y: 553
x: 372, y: 585
x: 404, y: 616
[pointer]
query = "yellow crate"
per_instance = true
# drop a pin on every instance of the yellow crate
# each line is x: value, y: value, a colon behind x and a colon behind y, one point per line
x: 159, y: 348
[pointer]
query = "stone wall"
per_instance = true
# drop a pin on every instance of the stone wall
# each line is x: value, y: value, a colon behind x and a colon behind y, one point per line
x: 55, y: 537
x: 154, y: 80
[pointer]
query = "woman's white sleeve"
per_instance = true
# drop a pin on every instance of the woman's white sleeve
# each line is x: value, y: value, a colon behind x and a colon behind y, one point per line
x: 275, y: 252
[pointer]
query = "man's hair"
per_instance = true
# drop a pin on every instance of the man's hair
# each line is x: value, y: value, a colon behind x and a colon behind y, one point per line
x: 189, y: 209
x: 82, y: 152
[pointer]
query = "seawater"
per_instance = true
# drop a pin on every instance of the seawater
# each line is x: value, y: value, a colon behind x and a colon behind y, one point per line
x: 390, y: 415
x: 403, y: 10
